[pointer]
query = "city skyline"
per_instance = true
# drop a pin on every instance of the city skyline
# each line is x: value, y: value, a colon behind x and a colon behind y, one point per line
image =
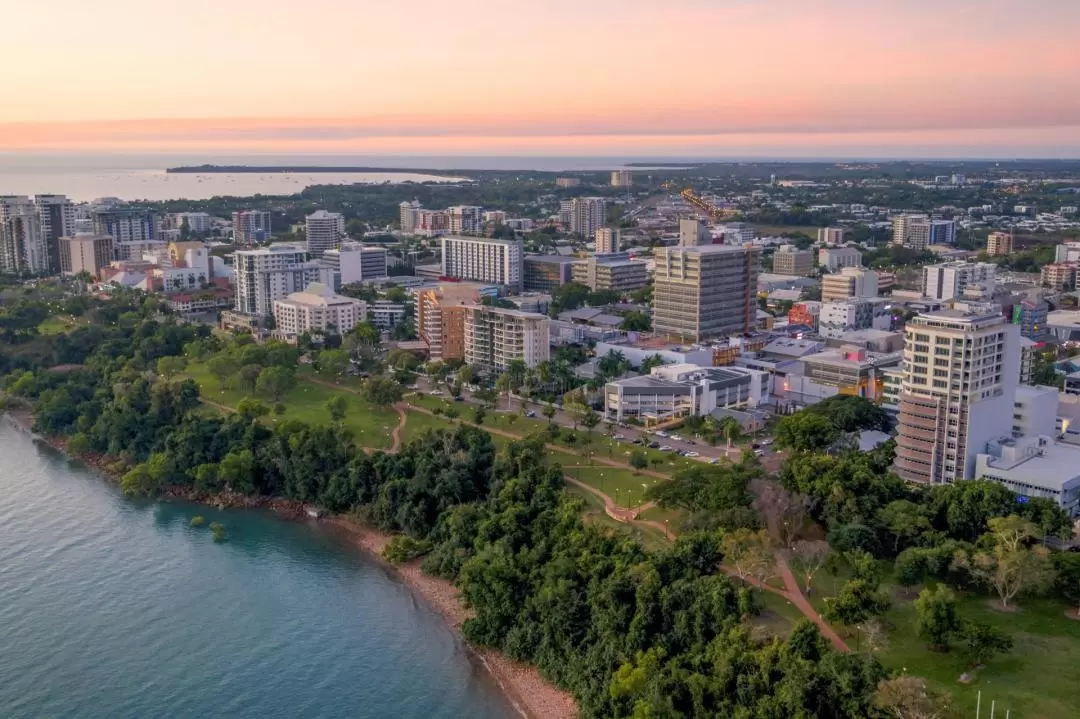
x: 680, y: 78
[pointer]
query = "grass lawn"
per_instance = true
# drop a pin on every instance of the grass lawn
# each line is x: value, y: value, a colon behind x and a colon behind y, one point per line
x: 620, y: 484
x: 776, y: 230
x: 306, y: 402
x: 778, y: 615
x: 59, y: 324
x: 594, y: 513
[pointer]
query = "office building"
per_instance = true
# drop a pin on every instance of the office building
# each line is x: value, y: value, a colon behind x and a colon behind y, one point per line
x: 251, y: 227
x: 845, y: 370
x: 675, y: 391
x: 1058, y: 275
x: 733, y: 233
x: 693, y: 233
x: 387, y: 314
x: 703, y: 292
x: 57, y: 217
x: 22, y: 244
x: 587, y: 215
x: 1034, y: 466
x: 466, y: 219
x: 85, y: 252
x: 272, y: 273
x: 607, y: 241
x: 565, y: 182
x: 134, y: 230
x: 495, y: 337
x: 198, y: 223
x: 849, y: 282
x: 409, y: 216
x: 622, y: 178
x: 440, y: 319
x: 833, y: 259
x: 805, y: 313
x: 948, y: 281
x: 615, y: 272
x: 1031, y: 315
x: 960, y: 377
x: 324, y: 231
x: 483, y: 259
x: 1067, y: 252
x: 353, y: 262
x: 546, y: 273
x: 917, y: 232
x: 830, y: 235
x: 432, y: 223
x: 789, y: 260
x: 844, y: 316
x: 999, y: 243
x: 181, y: 266
x: 317, y: 309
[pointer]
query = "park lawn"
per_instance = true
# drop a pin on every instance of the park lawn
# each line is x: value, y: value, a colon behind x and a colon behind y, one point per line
x: 59, y: 324
x: 1039, y: 678
x: 673, y: 517
x: 306, y: 402
x: 777, y: 230
x: 621, y: 485
x: 595, y: 514
x: 778, y: 615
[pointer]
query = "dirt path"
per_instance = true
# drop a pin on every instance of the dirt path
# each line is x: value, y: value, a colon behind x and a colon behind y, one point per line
x: 224, y: 408
x: 796, y: 597
x: 395, y: 436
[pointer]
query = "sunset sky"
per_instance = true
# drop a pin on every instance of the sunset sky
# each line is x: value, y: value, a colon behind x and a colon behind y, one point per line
x: 588, y: 77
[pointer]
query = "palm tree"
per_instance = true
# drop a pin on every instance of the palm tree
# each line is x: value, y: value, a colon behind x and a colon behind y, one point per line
x: 730, y: 428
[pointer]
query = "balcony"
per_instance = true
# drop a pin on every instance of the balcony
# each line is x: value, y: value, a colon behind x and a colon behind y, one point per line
x: 913, y: 471
x: 927, y: 434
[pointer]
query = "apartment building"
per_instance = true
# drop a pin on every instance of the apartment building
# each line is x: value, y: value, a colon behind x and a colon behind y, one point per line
x: 565, y: 182
x: 546, y: 273
x: 960, y: 376
x: 324, y: 231
x: 917, y: 232
x: 830, y: 235
x: 483, y: 259
x: 353, y: 262
x: 999, y: 243
x: 587, y: 215
x: 1031, y: 315
x: 409, y: 216
x: 432, y: 223
x: 317, y: 309
x: 734, y: 233
x: 948, y: 281
x: 789, y: 260
x: 844, y: 316
x: 834, y: 259
x: 57, y: 216
x: 495, y: 337
x: 251, y: 227
x: 615, y: 272
x: 198, y: 223
x: 675, y: 391
x: 85, y: 252
x: 22, y: 245
x: 706, y: 291
x: 387, y: 314
x: 466, y: 219
x: 1058, y: 275
x: 622, y: 178
x: 440, y: 319
x: 271, y: 273
x: 607, y: 240
x: 693, y: 232
x: 134, y: 230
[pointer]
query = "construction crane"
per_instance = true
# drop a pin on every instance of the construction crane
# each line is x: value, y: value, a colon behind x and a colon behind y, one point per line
x: 714, y: 212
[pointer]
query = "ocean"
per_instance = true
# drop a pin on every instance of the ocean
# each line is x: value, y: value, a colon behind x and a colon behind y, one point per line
x: 114, y: 608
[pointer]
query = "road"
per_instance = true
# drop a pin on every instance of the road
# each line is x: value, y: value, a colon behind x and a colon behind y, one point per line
x: 623, y: 433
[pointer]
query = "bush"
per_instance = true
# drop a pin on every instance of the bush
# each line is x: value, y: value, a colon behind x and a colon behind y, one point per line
x: 219, y: 531
x: 198, y: 521
x: 403, y: 549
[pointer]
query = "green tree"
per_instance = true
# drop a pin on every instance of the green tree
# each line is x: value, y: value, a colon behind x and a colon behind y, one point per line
x: 730, y: 429
x: 382, y: 392
x: 589, y: 420
x: 248, y: 376
x: 333, y: 363
x: 1010, y: 567
x: 937, y: 621
x: 636, y: 322
x: 222, y: 367
x: 1067, y: 581
x: 78, y: 445
x: 638, y: 460
x: 805, y: 432
x: 250, y: 409
x: 809, y: 556
x: 982, y: 641
x: 478, y: 415
x: 549, y: 412
x: 650, y: 362
x: 169, y: 367
x: 906, y: 521
x: 857, y: 601
x: 337, y: 406
x: 276, y: 382
x: 748, y: 552
x: 908, y: 697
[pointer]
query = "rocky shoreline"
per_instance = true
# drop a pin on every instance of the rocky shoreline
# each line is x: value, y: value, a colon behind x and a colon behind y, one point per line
x: 532, y: 695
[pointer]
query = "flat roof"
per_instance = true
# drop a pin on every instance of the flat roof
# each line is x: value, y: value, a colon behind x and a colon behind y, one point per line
x: 1055, y: 467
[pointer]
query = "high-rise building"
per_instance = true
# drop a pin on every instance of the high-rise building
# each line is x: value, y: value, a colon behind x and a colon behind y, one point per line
x: 587, y: 215
x: 353, y: 262
x: 615, y: 272
x: 959, y: 383
x: 917, y: 232
x: 622, y: 178
x: 835, y: 258
x: 839, y: 318
x: 567, y: 181
x: 999, y: 243
x: 251, y: 227
x: 849, y: 282
x: 440, y: 319
x: 134, y: 230
x: 57, y: 215
x: 707, y: 291
x: 271, y: 273
x: 607, y: 240
x: 789, y: 260
x: 734, y: 233
x: 1067, y: 252
x: 198, y: 223
x: 85, y: 252
x: 831, y: 235
x: 495, y: 337
x: 1030, y: 315
x: 546, y: 273
x: 466, y: 219
x: 947, y: 281
x: 22, y: 244
x: 1058, y: 275
x: 483, y: 259
x: 693, y: 233
x: 409, y: 216
x: 431, y: 223
x: 324, y: 231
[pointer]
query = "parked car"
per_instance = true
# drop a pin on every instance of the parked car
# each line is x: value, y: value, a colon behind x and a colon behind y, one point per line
x: 530, y: 415
x: 661, y: 434
x: 759, y: 452
x: 665, y: 448
x: 676, y: 437
x: 654, y: 445
x: 691, y: 454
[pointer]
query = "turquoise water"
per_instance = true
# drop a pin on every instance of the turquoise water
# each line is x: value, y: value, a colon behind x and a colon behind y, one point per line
x: 117, y: 609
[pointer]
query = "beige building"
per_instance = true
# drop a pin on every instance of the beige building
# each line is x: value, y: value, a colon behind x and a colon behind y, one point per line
x: 607, y: 241
x: 789, y: 260
x: 999, y: 243
x: 831, y: 235
x: 693, y: 232
x: 960, y: 374
x: 495, y: 337
x: 317, y: 309
x: 85, y: 252
x: 707, y: 291
x: 440, y: 319
x: 836, y: 258
x: 622, y: 178
x: 616, y: 272
x: 1059, y: 275
x: 848, y: 283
